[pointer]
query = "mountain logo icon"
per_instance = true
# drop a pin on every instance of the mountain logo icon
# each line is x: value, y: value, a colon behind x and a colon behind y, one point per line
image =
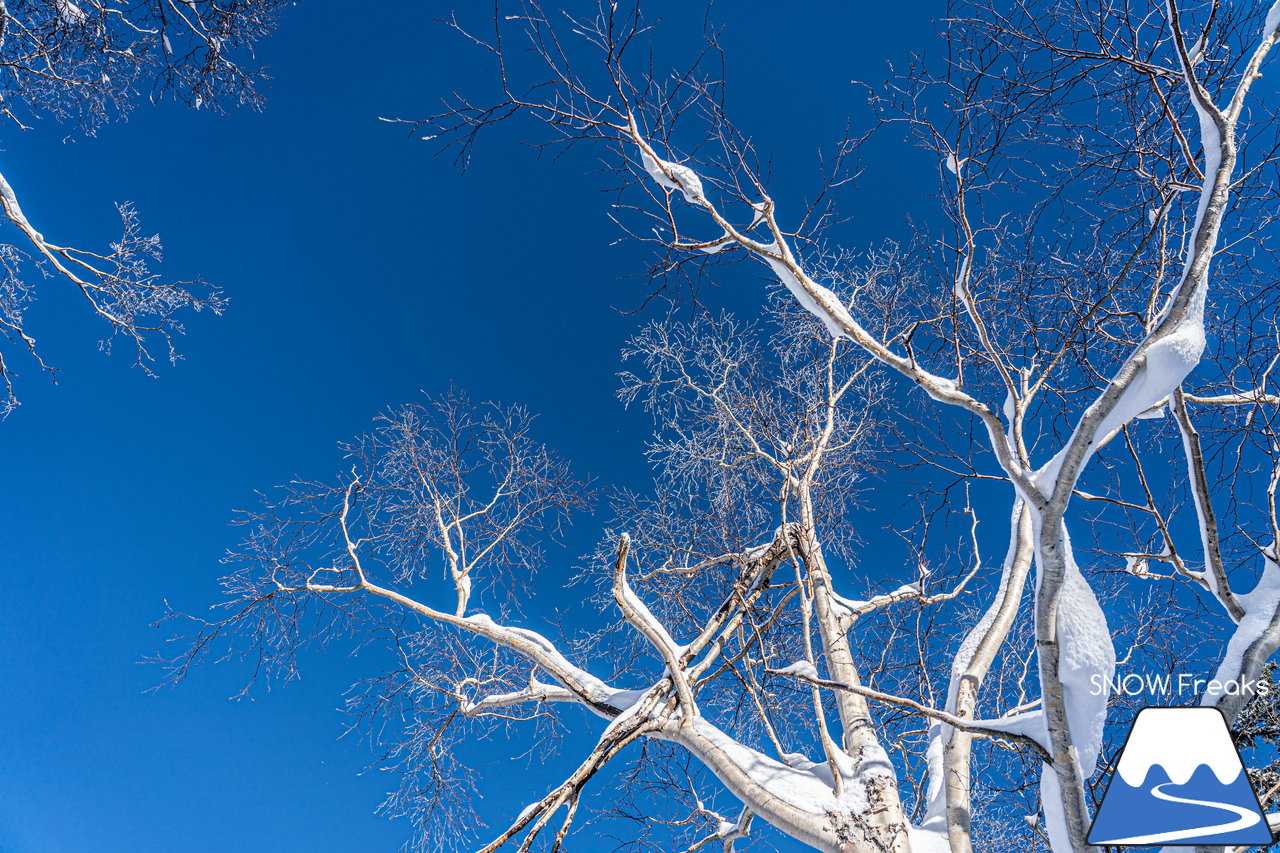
x: 1179, y: 781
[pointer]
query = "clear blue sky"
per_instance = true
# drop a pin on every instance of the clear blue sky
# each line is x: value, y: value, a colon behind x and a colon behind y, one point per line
x: 360, y: 270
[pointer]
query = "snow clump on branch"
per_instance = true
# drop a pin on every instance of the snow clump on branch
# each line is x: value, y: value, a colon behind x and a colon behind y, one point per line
x: 673, y: 176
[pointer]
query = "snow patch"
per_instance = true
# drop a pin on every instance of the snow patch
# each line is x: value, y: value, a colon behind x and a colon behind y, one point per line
x: 645, y: 615
x: 928, y: 840
x: 673, y: 176
x: 802, y: 668
x: 848, y: 607
x: 1055, y: 821
x: 69, y: 13
x: 1086, y: 656
x: 1196, y: 54
x: 1085, y: 652
x: 625, y: 700
x: 801, y: 789
x: 1135, y: 564
x: 1259, y: 608
x: 826, y: 306
x: 1030, y: 724
x: 1165, y: 365
x: 718, y: 245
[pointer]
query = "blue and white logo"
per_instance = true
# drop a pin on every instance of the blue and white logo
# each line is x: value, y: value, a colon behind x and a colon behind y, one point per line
x: 1179, y: 781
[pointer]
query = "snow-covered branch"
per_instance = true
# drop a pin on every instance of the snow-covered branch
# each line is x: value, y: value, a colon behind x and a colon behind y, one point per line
x: 976, y: 727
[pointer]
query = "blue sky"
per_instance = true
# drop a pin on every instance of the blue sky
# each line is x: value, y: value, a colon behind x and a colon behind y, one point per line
x: 361, y: 270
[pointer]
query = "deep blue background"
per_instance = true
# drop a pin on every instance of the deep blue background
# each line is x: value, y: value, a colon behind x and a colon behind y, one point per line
x: 361, y: 270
